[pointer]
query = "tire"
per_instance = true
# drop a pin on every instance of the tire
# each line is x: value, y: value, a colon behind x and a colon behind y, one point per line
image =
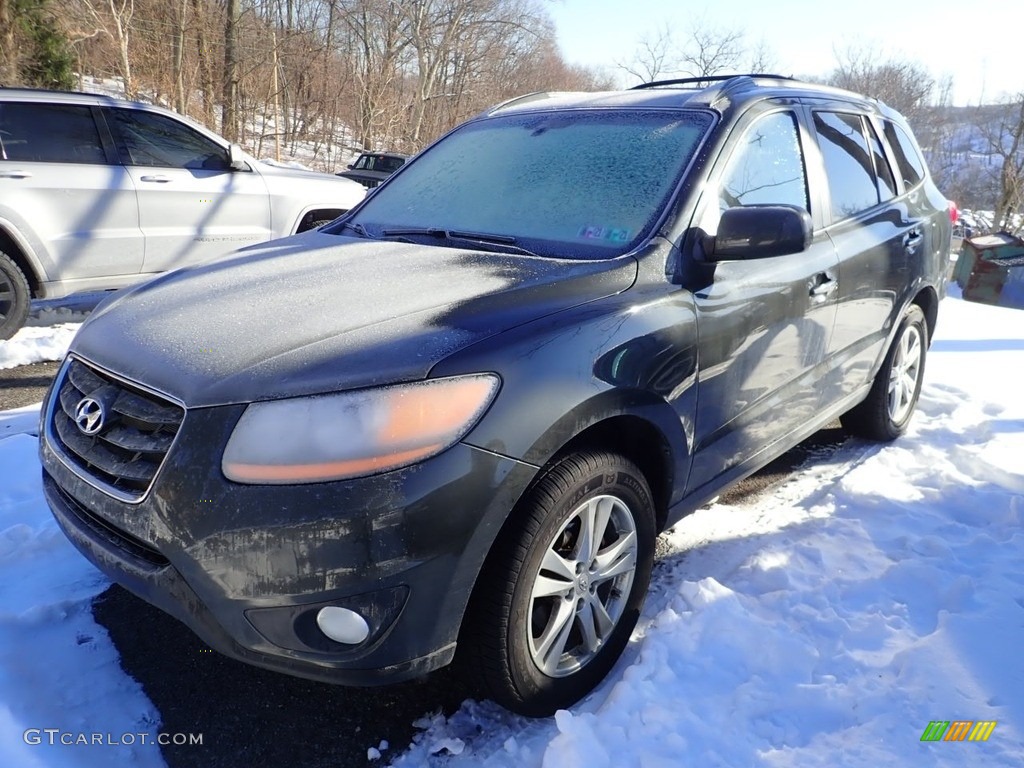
x: 885, y: 413
x: 315, y: 224
x: 317, y: 219
x: 14, y: 297
x: 545, y: 625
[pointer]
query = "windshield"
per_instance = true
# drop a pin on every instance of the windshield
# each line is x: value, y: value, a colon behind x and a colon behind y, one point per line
x: 585, y: 184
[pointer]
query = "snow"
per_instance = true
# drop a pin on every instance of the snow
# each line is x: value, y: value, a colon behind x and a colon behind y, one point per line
x: 824, y: 623
x: 34, y: 345
x: 52, y: 323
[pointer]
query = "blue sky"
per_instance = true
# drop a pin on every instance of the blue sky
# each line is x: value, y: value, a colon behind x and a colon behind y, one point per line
x: 966, y: 41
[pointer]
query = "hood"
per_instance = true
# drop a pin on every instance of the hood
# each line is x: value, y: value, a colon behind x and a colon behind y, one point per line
x: 318, y: 313
x: 306, y: 180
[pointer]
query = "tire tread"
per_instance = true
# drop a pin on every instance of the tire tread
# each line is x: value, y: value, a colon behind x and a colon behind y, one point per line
x: 484, y: 655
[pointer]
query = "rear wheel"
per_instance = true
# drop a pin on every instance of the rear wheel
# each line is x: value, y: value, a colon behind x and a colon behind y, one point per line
x: 317, y: 219
x: 561, y: 593
x: 14, y: 297
x: 886, y: 412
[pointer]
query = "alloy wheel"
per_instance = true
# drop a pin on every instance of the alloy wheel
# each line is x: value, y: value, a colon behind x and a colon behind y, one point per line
x: 582, y: 587
x: 904, y: 374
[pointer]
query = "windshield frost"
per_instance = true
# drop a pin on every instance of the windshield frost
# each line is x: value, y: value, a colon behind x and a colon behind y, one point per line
x: 586, y: 184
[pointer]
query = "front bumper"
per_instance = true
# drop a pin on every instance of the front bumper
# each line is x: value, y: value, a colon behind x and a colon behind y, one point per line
x: 247, y: 567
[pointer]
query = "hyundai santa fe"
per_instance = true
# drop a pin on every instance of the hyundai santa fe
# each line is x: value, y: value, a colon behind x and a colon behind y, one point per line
x: 449, y: 425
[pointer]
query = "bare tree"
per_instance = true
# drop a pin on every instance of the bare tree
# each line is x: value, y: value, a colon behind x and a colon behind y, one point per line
x: 114, y: 18
x: 703, y: 52
x: 904, y: 85
x: 654, y: 57
x: 1006, y: 142
x: 336, y: 74
x: 178, y: 41
x: 710, y: 51
x: 229, y: 93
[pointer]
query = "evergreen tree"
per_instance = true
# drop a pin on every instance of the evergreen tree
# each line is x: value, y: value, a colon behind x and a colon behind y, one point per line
x: 36, y: 51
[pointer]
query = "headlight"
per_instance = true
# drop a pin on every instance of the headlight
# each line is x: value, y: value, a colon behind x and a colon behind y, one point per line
x: 351, y: 434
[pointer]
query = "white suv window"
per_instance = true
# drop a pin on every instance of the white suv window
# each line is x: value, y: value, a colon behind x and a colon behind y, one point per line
x: 154, y: 140
x: 49, y: 133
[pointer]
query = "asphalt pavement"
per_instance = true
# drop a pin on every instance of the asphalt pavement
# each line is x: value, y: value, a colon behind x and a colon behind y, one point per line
x: 25, y: 384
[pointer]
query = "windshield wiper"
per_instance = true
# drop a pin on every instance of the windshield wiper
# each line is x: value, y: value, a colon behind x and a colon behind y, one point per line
x: 506, y: 242
x: 359, y: 229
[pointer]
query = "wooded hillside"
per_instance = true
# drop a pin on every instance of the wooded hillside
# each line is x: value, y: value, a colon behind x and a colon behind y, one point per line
x: 396, y: 73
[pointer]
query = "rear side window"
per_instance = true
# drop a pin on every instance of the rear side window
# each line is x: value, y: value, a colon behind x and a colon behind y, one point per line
x: 849, y: 166
x: 886, y: 181
x: 768, y: 167
x: 155, y: 140
x: 908, y: 160
x: 49, y: 133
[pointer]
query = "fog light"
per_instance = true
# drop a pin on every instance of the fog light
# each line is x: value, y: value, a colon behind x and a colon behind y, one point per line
x: 342, y: 625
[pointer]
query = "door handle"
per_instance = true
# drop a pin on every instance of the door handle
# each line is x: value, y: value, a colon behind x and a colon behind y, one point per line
x: 823, y: 285
x: 912, y: 240
x: 159, y: 179
x: 15, y: 175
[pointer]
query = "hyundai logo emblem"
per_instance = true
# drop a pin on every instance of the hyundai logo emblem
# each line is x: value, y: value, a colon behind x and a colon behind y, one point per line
x: 89, y: 416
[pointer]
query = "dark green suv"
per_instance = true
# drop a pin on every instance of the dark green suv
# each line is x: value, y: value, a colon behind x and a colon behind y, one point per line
x: 449, y: 425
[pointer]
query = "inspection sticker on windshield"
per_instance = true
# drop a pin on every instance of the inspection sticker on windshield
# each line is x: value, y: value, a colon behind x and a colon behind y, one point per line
x: 614, y: 234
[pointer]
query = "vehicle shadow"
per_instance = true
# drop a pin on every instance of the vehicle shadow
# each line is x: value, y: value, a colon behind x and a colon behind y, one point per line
x: 250, y: 716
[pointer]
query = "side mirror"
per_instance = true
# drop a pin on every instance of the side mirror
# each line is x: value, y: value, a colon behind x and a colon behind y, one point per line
x: 236, y: 158
x: 351, y: 166
x: 760, y: 231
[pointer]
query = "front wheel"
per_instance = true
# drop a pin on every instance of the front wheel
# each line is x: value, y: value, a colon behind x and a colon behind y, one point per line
x: 885, y: 413
x: 561, y: 593
x: 14, y: 297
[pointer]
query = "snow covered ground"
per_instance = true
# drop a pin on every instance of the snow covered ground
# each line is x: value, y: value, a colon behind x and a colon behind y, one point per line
x: 825, y: 623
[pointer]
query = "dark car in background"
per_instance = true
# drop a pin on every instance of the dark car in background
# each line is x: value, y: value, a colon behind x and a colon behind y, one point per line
x: 449, y: 425
x: 371, y: 168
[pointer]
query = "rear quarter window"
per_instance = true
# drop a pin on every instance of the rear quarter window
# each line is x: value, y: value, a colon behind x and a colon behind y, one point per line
x: 909, y: 162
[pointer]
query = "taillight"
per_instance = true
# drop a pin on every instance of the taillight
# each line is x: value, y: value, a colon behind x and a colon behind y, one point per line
x: 954, y: 214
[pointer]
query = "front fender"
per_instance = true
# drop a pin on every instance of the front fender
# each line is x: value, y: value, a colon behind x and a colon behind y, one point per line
x: 633, y: 354
x: 33, y: 251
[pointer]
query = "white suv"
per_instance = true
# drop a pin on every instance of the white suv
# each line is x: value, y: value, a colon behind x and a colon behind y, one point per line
x: 97, y: 193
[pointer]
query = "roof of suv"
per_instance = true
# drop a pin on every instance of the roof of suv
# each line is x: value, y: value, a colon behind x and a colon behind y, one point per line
x: 44, y: 96
x: 385, y: 154
x: 715, y: 92
x: 63, y: 97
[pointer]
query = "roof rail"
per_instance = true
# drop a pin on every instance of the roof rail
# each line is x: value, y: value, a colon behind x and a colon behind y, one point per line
x: 705, y: 79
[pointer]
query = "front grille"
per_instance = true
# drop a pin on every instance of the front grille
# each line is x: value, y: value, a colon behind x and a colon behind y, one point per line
x: 137, y: 430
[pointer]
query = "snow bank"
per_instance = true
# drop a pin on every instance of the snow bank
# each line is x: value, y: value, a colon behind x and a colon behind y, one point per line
x: 35, y: 345
x: 58, y: 668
